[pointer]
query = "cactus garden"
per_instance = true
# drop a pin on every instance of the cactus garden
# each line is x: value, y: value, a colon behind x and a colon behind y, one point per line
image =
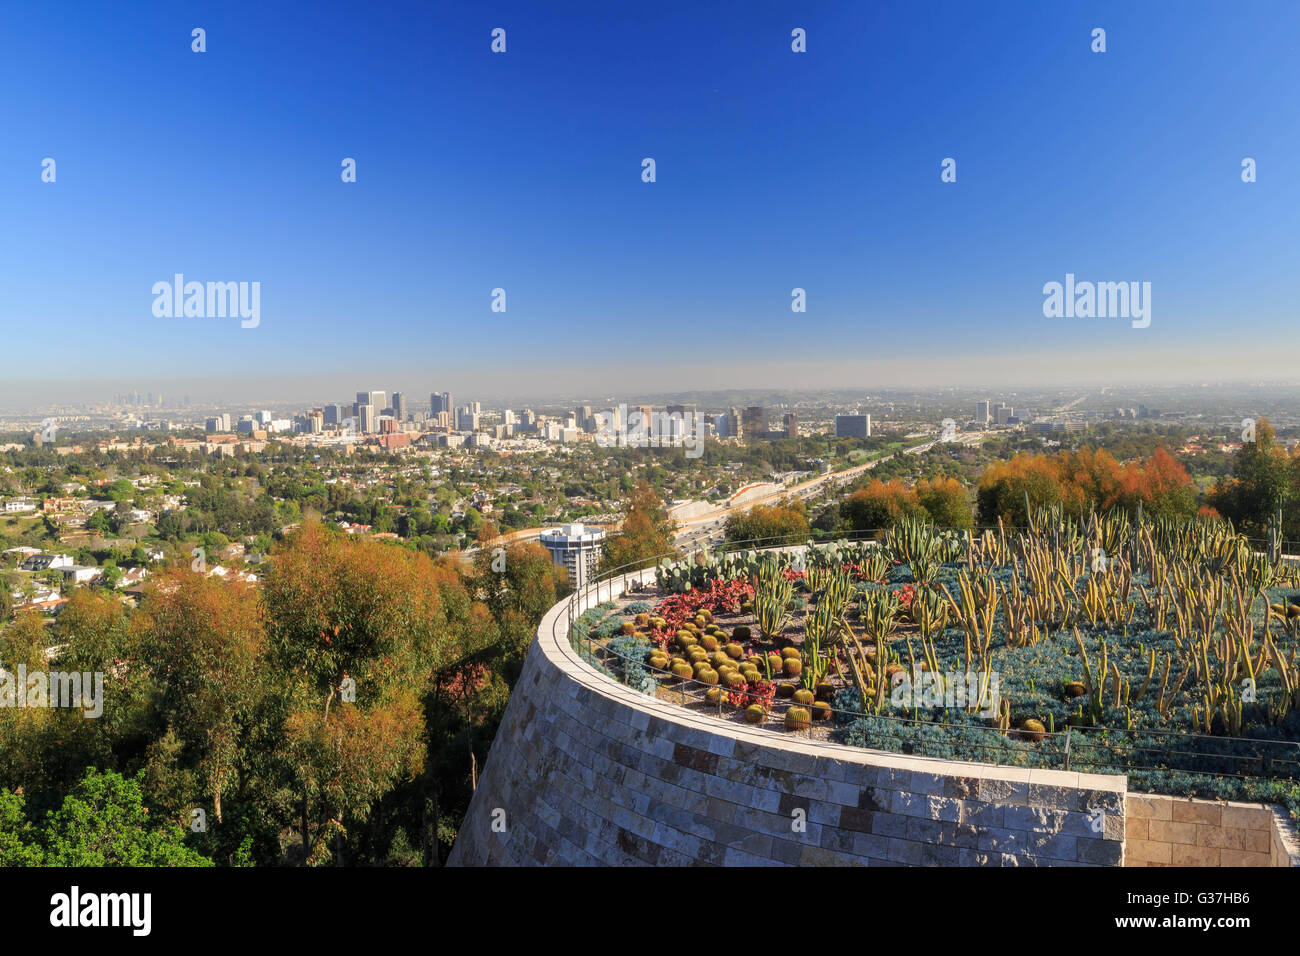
x: 1112, y: 643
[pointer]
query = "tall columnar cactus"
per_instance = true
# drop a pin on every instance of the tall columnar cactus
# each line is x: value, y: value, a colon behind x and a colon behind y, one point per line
x: 1275, y: 535
x: 1094, y: 684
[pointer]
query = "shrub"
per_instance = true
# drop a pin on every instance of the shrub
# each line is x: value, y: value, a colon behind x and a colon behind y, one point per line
x: 607, y: 629
x: 630, y: 651
x: 638, y: 607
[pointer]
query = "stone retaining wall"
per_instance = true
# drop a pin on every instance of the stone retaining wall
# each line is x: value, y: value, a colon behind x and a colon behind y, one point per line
x: 1182, y: 831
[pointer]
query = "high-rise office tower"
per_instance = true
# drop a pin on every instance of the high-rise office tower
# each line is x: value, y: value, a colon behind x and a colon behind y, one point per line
x: 399, y: 406
x: 754, y: 422
x: 440, y: 402
x: 365, y: 417
x: 377, y: 399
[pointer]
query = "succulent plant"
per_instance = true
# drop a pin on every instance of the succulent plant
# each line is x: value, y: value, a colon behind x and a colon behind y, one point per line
x: 734, y: 651
x: 790, y: 652
x: 792, y: 667
x: 1033, y: 729
x: 707, y: 676
x: 754, y: 713
x: 821, y: 710
x: 797, y: 718
x: 803, y: 696
x: 713, y: 695
x: 709, y: 642
x: 682, y: 671
x: 740, y: 632
x: 785, y: 691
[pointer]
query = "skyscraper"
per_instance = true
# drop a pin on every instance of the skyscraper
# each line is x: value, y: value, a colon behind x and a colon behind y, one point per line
x: 754, y: 422
x: 440, y: 402
x: 377, y: 399
x: 365, y: 417
x: 399, y: 406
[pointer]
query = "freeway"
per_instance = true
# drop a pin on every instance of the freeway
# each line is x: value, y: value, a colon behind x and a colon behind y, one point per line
x: 707, y: 528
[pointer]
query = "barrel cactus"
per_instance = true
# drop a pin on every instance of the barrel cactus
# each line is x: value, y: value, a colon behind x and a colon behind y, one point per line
x: 797, y: 718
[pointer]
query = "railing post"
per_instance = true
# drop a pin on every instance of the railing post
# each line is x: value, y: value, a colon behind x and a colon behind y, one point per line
x: 1068, y: 728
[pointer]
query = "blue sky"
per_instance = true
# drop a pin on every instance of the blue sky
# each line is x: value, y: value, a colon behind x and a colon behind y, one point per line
x: 523, y: 171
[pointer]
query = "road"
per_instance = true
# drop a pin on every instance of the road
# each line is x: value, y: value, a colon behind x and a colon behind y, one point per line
x: 707, y: 529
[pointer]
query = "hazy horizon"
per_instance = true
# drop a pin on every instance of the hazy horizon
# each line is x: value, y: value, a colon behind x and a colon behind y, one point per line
x: 493, y: 386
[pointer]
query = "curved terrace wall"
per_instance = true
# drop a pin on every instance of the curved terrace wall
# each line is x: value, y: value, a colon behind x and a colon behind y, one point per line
x: 586, y: 771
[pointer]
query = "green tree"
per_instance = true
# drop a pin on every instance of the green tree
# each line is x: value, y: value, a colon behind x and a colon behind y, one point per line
x: 646, y: 533
x: 102, y: 822
x: 787, y: 520
x: 204, y: 640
